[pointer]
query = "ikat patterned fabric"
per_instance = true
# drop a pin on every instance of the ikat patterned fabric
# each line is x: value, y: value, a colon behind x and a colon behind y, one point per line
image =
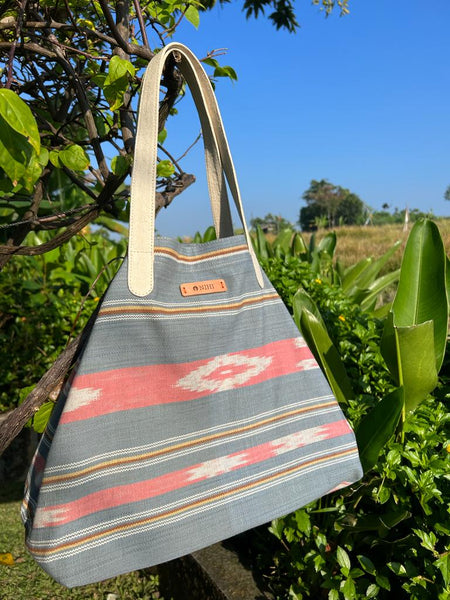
x: 186, y: 421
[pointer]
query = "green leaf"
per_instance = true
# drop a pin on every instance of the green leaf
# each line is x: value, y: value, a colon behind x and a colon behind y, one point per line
x: 302, y: 300
x: 261, y: 245
x: 333, y: 595
x: 328, y: 243
x: 74, y: 157
x: 193, y: 16
x: 349, y: 589
x: 162, y: 135
x: 383, y: 582
x: 343, y: 558
x: 19, y: 117
x: 377, y: 287
x: 443, y: 564
x: 210, y: 234
x: 421, y: 294
x: 165, y: 168
x: 366, y: 564
x: 298, y: 246
x: 42, y: 416
x: 303, y: 521
x: 397, y: 568
x: 120, y: 165
x: 368, y: 275
x: 15, y: 152
x: 372, y: 591
x: 276, y: 528
x: 377, y: 427
x: 320, y: 344
x: 118, y: 68
x: 283, y: 240
x: 54, y: 159
x: 417, y: 362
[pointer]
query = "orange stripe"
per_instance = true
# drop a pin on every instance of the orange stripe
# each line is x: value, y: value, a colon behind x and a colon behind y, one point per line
x: 204, y: 256
x: 169, y: 513
x: 190, y: 444
x: 139, y: 309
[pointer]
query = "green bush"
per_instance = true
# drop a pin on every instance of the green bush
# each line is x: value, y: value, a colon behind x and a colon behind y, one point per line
x: 387, y: 535
x: 41, y: 306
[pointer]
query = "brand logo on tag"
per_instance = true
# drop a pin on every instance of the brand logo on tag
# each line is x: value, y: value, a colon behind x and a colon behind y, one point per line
x: 211, y: 286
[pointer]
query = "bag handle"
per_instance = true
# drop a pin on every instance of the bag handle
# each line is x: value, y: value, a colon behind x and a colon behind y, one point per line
x: 143, y: 185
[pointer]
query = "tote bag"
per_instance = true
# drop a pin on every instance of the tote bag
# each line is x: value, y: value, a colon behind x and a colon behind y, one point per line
x: 195, y: 411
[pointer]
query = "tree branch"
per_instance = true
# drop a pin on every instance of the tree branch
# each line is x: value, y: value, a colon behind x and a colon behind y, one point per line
x: 140, y: 51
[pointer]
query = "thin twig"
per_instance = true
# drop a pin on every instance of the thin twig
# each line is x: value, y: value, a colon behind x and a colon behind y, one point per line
x: 140, y: 18
x: 191, y: 146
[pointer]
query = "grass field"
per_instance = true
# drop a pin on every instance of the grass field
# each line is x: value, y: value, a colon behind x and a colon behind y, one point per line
x: 25, y: 580
x: 357, y: 242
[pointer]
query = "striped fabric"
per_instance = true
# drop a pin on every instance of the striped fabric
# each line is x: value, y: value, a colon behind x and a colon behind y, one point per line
x: 185, y: 421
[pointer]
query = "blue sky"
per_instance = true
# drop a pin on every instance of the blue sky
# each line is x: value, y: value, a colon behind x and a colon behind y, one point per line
x: 361, y: 100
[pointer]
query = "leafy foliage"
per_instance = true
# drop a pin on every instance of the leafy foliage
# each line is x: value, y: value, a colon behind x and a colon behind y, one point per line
x: 386, y: 536
x: 41, y: 298
x: 330, y: 204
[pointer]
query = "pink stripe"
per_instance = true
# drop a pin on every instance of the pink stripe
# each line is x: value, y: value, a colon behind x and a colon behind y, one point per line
x: 106, y: 392
x: 136, y: 492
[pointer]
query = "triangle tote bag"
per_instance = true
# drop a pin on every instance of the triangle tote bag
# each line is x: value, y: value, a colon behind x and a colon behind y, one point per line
x: 195, y: 410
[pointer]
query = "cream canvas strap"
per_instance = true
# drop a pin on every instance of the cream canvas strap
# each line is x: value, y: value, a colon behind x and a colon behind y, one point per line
x: 143, y: 186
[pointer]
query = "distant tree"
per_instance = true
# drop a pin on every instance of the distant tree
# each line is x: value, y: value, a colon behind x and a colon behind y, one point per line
x: 447, y: 193
x: 337, y: 204
x: 384, y: 217
x: 271, y: 223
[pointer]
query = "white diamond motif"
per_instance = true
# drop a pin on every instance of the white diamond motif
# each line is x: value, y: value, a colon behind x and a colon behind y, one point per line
x: 224, y: 373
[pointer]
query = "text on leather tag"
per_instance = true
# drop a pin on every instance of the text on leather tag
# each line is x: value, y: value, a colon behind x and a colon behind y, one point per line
x: 211, y: 286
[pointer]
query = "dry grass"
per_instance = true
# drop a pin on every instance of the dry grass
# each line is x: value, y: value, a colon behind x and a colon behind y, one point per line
x: 357, y: 242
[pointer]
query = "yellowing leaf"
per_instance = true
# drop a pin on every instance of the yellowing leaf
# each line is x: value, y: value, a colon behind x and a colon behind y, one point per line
x: 6, y: 559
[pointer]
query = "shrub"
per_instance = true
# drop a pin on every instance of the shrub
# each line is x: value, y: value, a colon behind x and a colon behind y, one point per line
x: 386, y: 536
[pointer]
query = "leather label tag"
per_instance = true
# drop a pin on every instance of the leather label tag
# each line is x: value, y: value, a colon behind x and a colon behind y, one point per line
x: 211, y: 286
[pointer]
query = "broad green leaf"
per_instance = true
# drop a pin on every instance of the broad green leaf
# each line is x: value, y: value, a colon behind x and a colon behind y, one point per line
x: 377, y: 287
x: 447, y: 279
x: 210, y: 234
x: 19, y: 117
x: 193, y: 16
x: 353, y: 272
x: 328, y: 243
x: 283, y: 240
x: 388, y: 348
x: 368, y: 275
x: 302, y: 300
x: 74, y: 157
x: 261, y: 245
x: 320, y: 344
x: 377, y: 427
x: 421, y: 294
x: 298, y: 246
x: 417, y: 363
x: 165, y: 168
